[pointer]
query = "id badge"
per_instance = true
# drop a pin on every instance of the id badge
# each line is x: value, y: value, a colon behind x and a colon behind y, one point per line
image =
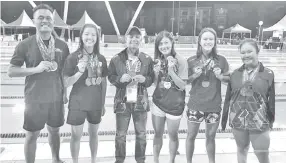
x: 131, y: 94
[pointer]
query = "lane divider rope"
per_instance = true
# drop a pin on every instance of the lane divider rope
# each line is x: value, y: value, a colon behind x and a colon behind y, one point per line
x: 113, y: 133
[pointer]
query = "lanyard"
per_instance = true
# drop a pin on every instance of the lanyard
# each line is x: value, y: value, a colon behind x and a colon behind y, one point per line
x: 48, y: 53
x: 206, y: 65
x: 250, y: 76
x: 130, y: 66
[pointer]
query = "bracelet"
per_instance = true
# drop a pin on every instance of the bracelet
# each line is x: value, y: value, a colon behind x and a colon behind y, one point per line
x: 81, y: 72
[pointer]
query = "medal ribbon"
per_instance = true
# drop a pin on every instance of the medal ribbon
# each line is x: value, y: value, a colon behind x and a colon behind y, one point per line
x: 247, y: 80
x: 250, y: 76
x: 92, y: 65
x: 93, y: 61
x: 48, y: 53
x: 206, y: 67
x: 166, y: 78
x: 164, y: 67
x: 130, y: 67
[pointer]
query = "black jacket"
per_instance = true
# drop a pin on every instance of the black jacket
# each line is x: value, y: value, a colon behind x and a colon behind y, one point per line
x: 117, y: 67
x: 253, y: 112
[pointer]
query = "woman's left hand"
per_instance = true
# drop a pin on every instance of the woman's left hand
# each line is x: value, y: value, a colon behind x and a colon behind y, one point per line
x: 217, y: 72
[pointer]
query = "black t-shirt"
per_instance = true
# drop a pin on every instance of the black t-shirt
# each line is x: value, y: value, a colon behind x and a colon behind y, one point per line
x: 83, y: 97
x: 45, y: 87
x: 206, y: 99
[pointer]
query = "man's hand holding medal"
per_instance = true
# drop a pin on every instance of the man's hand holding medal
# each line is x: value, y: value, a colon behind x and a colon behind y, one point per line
x: 47, y: 66
x: 139, y: 78
x: 136, y: 78
x: 48, y: 54
x: 53, y: 65
x: 125, y: 78
x: 44, y: 66
x: 133, y: 74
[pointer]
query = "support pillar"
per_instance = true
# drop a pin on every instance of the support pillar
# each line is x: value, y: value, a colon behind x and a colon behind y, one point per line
x: 66, y: 8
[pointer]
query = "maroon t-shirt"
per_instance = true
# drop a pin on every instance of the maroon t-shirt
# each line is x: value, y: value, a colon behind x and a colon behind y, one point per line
x: 83, y: 97
x: 45, y: 87
x: 206, y: 99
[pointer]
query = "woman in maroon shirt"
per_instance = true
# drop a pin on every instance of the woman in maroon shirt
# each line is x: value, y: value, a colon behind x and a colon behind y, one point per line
x: 171, y: 71
x: 250, y: 101
x: 206, y: 72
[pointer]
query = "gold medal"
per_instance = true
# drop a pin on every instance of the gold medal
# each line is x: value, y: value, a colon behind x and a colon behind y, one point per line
x: 246, y: 91
x: 167, y: 85
x: 249, y: 92
x: 205, y: 84
x: 88, y: 81
x: 54, y: 66
x: 243, y: 91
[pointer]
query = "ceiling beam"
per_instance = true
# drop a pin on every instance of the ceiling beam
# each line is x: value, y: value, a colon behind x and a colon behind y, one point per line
x: 33, y: 4
x: 135, y: 15
x: 112, y: 17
